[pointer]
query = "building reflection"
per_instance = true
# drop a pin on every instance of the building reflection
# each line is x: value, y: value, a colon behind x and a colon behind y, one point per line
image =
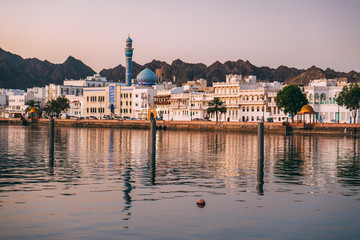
x: 348, y: 166
x: 290, y: 163
x: 212, y: 160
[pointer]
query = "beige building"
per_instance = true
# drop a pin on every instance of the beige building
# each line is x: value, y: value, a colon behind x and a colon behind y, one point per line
x: 112, y: 100
x: 246, y: 99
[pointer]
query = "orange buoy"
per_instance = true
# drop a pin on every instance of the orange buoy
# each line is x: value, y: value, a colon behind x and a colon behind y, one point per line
x: 200, y: 203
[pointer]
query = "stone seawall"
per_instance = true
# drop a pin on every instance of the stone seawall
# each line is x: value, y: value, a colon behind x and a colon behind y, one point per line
x: 281, y: 128
x: 161, y: 125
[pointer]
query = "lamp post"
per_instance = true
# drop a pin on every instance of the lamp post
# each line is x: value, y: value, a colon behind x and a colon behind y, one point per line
x: 168, y: 112
x: 190, y: 107
x: 338, y: 113
x: 263, y: 109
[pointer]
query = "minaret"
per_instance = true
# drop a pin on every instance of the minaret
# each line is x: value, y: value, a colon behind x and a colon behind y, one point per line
x: 128, y: 55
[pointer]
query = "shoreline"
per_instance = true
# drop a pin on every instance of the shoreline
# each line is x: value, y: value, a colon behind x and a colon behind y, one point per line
x: 269, y: 127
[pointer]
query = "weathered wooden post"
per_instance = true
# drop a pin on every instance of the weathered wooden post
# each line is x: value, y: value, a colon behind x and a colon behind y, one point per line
x: 51, y: 146
x: 260, y: 163
x: 152, y: 151
x: 52, y: 128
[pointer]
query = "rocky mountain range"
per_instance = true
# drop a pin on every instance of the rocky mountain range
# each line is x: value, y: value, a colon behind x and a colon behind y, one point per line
x: 16, y: 72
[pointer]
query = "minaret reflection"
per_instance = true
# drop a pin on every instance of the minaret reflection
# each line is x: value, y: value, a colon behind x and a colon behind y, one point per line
x: 128, y: 188
x: 127, y: 182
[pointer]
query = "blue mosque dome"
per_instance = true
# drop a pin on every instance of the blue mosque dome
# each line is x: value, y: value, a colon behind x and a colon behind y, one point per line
x: 146, y: 77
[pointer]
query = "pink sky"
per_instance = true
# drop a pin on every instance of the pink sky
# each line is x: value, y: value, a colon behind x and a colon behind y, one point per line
x: 267, y: 33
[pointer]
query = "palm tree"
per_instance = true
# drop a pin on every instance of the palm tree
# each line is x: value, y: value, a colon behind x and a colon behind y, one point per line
x: 31, y: 103
x: 64, y: 104
x: 57, y: 105
x: 216, y: 105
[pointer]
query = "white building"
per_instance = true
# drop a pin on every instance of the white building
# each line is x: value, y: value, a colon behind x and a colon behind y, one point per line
x: 322, y: 94
x: 162, y: 100
x: 92, y: 81
x: 17, y: 102
x: 246, y: 99
x: 143, y: 99
x: 3, y: 98
x: 76, y: 107
x: 189, y: 106
x: 53, y: 91
x: 194, y: 86
x: 39, y: 95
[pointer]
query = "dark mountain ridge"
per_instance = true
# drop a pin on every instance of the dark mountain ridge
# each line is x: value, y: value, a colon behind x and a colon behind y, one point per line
x: 16, y: 72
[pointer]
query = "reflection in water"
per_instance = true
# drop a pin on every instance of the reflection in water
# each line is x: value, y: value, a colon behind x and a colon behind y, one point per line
x: 178, y: 157
x: 348, y: 168
x: 108, y: 173
x: 127, y: 188
x: 290, y: 163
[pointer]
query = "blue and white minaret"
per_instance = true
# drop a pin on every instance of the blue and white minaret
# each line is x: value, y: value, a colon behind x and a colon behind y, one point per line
x: 128, y: 55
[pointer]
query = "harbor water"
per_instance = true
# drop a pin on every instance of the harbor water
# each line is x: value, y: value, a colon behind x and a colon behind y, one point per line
x: 97, y: 183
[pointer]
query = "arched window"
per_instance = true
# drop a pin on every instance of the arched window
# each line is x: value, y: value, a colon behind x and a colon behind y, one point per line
x: 316, y: 98
x: 310, y: 98
x: 323, y: 99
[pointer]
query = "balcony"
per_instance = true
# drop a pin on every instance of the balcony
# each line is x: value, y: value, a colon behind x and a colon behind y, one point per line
x: 157, y: 102
x: 226, y: 95
x: 232, y: 105
x: 250, y: 102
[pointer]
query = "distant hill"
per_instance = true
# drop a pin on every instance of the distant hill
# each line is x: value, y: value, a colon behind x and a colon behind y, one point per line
x: 16, y: 72
x: 216, y: 72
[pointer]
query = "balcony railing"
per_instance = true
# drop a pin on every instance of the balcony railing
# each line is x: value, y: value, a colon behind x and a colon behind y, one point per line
x: 162, y: 102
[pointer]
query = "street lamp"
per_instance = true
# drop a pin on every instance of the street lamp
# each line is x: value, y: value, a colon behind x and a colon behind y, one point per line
x: 190, y: 107
x: 338, y: 110
x: 263, y: 108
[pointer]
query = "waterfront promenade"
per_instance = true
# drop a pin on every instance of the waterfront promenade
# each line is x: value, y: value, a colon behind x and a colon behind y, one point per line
x: 269, y: 127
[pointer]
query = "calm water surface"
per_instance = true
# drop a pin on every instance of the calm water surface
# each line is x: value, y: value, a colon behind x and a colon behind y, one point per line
x: 108, y: 184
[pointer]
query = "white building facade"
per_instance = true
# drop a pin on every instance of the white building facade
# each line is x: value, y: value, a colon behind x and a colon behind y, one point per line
x: 322, y: 94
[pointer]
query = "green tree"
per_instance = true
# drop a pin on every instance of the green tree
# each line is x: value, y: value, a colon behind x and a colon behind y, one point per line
x: 349, y: 97
x: 290, y: 99
x: 216, y: 106
x: 56, y: 106
x: 31, y: 103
